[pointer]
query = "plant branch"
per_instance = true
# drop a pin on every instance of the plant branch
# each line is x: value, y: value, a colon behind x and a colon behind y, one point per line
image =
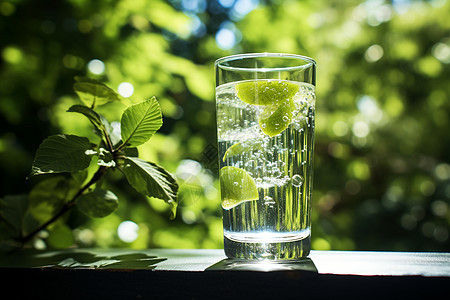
x: 108, y: 142
x: 66, y: 207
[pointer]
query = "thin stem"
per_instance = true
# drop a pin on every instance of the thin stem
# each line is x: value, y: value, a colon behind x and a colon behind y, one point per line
x: 108, y: 142
x: 100, y: 172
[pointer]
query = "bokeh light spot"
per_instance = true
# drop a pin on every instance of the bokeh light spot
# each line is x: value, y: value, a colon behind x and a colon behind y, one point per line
x: 361, y: 129
x: 125, y: 89
x: 128, y: 231
x: 442, y: 52
x: 340, y: 128
x: 96, y: 66
x: 225, y: 39
x: 374, y: 53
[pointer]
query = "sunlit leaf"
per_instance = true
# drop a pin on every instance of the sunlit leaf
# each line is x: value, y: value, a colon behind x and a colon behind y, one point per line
x: 140, y: 121
x: 94, y: 93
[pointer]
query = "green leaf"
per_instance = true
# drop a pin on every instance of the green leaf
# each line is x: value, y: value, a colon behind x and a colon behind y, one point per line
x: 101, y: 124
x: 83, y: 176
x: 88, y: 80
x: 98, y: 204
x: 48, y: 196
x: 60, y: 236
x: 131, y: 152
x: 140, y: 121
x: 94, y: 93
x: 62, y: 153
x: 12, y: 214
x: 152, y: 180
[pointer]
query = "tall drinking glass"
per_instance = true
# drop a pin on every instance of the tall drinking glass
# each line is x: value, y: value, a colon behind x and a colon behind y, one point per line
x: 265, y: 124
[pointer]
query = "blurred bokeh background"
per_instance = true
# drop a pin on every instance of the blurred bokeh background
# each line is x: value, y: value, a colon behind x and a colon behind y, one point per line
x: 382, y: 160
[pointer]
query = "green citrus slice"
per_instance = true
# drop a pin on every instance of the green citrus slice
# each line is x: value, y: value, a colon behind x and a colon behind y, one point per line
x: 274, y: 120
x: 236, y: 186
x: 244, y: 146
x: 264, y: 92
x: 276, y: 97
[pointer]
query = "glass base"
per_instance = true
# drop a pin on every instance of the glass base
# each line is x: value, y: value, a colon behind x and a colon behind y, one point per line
x: 290, y: 250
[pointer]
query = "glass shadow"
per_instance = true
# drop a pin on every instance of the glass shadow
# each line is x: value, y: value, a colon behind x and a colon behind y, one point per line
x: 305, y: 264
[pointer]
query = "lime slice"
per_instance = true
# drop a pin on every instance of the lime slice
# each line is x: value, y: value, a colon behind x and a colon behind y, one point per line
x: 236, y: 186
x: 276, y: 97
x: 244, y: 146
x: 262, y: 92
x: 273, y: 120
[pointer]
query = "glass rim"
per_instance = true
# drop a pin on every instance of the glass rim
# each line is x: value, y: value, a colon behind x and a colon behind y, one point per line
x: 310, y: 61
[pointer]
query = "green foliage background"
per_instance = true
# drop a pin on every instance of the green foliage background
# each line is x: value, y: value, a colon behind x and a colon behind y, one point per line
x: 382, y: 164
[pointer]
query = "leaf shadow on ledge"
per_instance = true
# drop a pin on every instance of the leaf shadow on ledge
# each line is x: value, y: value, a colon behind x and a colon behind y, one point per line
x: 85, y: 259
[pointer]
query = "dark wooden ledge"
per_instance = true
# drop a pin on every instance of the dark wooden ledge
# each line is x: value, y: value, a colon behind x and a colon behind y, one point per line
x: 207, y: 274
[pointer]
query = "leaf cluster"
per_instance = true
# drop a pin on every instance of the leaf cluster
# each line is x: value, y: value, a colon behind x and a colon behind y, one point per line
x: 72, y: 156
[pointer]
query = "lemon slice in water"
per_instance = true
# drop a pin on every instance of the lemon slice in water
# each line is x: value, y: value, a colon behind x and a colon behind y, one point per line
x: 265, y: 92
x: 244, y: 146
x: 236, y: 186
x: 274, y: 120
x: 276, y: 97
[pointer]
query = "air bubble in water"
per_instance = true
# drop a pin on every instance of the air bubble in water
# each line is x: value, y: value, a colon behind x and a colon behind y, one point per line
x: 297, y: 180
x: 268, y: 200
x: 249, y: 163
x: 276, y: 172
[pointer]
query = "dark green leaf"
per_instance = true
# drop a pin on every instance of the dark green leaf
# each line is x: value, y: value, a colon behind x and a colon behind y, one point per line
x: 60, y: 236
x: 83, y: 176
x: 48, y: 196
x: 62, y: 153
x: 12, y: 214
x: 151, y: 180
x: 80, y: 176
x: 140, y: 121
x: 131, y: 152
x: 102, y: 126
x: 98, y: 203
x: 94, y: 93
x: 88, y: 80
